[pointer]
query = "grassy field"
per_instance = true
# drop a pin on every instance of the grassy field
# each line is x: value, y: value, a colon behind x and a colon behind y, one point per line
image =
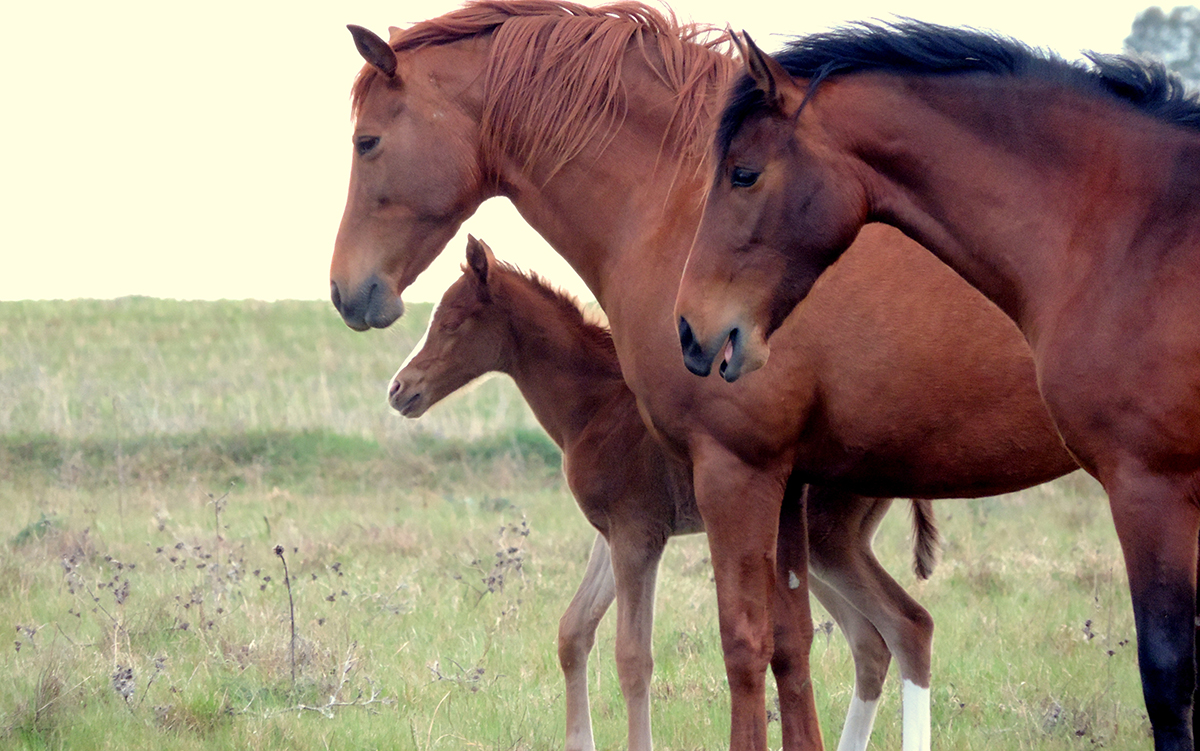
x: 154, y: 454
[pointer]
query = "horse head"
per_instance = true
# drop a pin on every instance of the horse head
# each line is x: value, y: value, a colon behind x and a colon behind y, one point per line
x: 415, y: 176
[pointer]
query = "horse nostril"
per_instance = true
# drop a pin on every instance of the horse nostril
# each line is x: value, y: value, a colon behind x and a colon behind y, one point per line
x: 728, y: 351
x: 687, y: 340
x: 694, y: 358
x: 336, y: 296
x: 395, y: 387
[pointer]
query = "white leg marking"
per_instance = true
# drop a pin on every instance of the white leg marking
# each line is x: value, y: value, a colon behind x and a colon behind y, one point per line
x: 859, y: 721
x: 916, y: 717
x: 793, y: 580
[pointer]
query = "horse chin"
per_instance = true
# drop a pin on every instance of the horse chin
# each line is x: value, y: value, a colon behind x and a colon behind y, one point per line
x: 385, y: 314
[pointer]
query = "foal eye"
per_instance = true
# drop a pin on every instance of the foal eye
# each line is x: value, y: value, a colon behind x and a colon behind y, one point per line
x: 743, y: 178
x: 364, y: 144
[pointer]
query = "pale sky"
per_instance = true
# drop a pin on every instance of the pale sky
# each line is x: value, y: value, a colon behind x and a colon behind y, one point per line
x: 203, y: 152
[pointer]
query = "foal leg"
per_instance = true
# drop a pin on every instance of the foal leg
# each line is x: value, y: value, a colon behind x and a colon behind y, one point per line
x: 740, y: 506
x: 635, y: 566
x: 1158, y: 521
x: 871, y: 659
x: 842, y: 527
x: 793, y: 624
x: 577, y: 635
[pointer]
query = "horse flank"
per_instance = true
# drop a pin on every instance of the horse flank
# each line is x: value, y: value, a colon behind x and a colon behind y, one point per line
x: 913, y: 47
x: 553, y: 81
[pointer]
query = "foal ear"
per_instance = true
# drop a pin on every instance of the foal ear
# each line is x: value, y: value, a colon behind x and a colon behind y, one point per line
x: 776, y: 84
x: 378, y: 53
x: 479, y: 261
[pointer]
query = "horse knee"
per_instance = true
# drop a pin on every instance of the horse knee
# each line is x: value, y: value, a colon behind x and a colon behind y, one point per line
x: 575, y: 642
x: 746, y: 661
x: 792, y: 646
x: 634, y: 668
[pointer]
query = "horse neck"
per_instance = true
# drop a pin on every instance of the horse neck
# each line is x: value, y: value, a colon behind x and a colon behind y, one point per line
x: 599, y: 209
x: 565, y: 374
x: 998, y: 175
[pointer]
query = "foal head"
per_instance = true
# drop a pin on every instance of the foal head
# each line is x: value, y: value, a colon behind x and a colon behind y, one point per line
x: 778, y: 213
x: 468, y: 336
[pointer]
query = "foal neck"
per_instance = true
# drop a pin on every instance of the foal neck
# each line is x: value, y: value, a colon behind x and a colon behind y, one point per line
x: 564, y: 366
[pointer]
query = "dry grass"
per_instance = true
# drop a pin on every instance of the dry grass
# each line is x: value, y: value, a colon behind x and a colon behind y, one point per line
x: 154, y: 454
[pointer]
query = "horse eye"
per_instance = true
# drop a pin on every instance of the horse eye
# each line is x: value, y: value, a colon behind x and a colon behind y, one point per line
x: 364, y: 144
x: 743, y: 178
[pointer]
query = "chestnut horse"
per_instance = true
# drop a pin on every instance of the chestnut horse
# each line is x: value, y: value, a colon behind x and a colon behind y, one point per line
x: 1068, y: 193
x: 633, y: 492
x: 596, y: 124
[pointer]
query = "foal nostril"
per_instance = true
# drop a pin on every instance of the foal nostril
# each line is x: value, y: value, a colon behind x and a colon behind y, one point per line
x: 395, y: 387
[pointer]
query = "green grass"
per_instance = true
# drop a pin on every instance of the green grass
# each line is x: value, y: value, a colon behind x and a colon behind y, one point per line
x: 153, y: 454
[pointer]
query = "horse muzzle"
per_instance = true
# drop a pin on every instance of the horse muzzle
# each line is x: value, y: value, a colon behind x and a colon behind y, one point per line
x: 372, y: 305
x: 407, y: 398
x: 736, y: 358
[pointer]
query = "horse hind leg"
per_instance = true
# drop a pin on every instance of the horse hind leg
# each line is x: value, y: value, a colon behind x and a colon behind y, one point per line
x: 842, y: 527
x: 871, y: 660
x: 576, y: 637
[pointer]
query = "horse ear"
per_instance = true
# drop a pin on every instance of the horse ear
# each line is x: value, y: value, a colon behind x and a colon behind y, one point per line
x: 479, y: 262
x: 776, y: 84
x: 378, y: 53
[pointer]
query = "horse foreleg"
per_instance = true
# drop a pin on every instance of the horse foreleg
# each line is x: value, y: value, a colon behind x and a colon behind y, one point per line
x: 793, y: 626
x: 635, y: 565
x: 841, y: 529
x: 577, y: 635
x: 740, y: 506
x: 1157, y: 521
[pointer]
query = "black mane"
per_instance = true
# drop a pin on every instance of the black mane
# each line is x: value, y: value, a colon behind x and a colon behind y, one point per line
x: 918, y: 48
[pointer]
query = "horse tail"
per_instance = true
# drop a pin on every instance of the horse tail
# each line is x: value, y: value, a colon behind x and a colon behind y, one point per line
x: 927, y: 543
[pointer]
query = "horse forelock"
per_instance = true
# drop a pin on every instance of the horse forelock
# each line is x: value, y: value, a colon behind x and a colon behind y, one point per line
x: 913, y: 47
x: 553, y: 82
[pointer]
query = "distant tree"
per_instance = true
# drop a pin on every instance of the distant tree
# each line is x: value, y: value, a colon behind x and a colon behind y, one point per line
x: 1173, y: 38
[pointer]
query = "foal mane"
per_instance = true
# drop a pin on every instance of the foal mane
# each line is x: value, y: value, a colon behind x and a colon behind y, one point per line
x: 595, y: 338
x: 553, y: 78
x: 914, y: 47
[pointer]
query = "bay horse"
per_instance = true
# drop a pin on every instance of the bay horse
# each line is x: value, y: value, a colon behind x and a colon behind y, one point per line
x: 635, y: 493
x: 596, y: 124
x: 1068, y: 193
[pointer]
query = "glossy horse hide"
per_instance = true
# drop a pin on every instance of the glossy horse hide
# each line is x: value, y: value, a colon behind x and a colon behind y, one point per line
x: 1068, y: 193
x: 597, y: 123
x: 631, y: 489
